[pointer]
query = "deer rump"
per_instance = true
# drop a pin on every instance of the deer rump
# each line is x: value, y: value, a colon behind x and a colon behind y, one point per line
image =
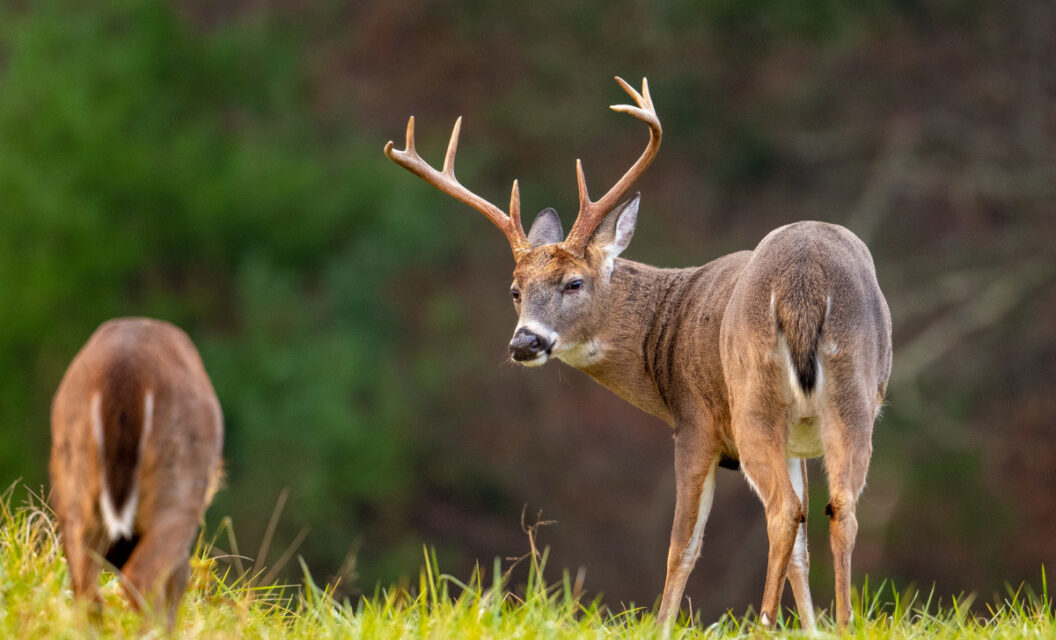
x: 121, y: 413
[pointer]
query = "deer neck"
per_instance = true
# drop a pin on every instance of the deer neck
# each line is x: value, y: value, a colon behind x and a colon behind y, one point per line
x: 636, y: 336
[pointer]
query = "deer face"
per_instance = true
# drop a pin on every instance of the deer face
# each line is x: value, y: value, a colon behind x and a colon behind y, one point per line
x: 560, y: 295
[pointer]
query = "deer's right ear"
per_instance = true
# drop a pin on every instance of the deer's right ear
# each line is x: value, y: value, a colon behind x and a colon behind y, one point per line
x: 546, y: 229
x: 615, y: 231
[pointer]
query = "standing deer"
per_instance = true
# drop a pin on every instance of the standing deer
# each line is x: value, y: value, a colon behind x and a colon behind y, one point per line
x: 135, y: 458
x: 760, y: 358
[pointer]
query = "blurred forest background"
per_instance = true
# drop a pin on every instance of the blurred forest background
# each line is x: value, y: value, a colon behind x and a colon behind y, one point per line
x: 219, y: 165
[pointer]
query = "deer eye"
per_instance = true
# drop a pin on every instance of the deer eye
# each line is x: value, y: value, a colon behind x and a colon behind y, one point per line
x: 574, y: 285
x: 516, y: 295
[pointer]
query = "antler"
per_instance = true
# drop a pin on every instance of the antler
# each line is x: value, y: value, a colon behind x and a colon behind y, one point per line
x: 592, y: 213
x: 445, y: 181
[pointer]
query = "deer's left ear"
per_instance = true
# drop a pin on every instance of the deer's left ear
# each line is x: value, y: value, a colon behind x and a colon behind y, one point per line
x: 615, y: 231
x: 546, y: 229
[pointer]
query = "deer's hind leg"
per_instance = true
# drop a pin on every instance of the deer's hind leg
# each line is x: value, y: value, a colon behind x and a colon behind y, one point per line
x: 175, y: 588
x: 847, y: 440
x: 760, y: 429
x: 82, y: 560
x: 83, y: 542
x: 157, y: 571
x: 799, y: 563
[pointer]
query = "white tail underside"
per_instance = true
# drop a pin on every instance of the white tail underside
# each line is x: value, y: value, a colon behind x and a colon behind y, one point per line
x: 119, y: 524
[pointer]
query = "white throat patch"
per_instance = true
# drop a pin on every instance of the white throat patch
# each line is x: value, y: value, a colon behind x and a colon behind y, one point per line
x: 581, y: 355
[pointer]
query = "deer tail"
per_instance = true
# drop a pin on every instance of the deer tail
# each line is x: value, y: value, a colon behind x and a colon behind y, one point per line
x: 800, y: 314
x: 122, y: 413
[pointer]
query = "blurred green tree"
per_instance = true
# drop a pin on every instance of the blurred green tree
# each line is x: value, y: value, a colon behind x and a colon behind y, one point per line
x: 149, y: 168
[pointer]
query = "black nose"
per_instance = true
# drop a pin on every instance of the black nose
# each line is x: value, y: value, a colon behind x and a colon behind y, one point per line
x: 527, y: 345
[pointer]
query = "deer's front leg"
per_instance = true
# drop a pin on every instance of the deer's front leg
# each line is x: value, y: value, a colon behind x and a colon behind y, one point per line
x: 695, y: 463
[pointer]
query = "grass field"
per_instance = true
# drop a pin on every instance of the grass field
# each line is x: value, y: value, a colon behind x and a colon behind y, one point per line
x: 36, y: 603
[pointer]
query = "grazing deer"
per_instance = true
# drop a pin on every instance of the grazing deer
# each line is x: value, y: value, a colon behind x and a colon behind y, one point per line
x: 135, y: 458
x: 760, y: 359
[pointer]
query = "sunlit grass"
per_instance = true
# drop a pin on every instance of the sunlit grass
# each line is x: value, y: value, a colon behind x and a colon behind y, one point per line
x: 225, y: 602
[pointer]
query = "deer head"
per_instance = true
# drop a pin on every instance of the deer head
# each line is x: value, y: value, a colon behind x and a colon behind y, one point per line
x: 560, y: 284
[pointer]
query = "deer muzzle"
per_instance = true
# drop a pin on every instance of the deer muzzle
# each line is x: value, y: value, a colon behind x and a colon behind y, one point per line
x: 527, y: 345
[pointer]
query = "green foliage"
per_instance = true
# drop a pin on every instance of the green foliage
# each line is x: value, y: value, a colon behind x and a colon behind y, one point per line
x: 221, y: 603
x: 149, y: 168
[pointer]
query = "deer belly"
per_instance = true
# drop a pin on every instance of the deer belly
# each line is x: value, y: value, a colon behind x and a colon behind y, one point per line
x: 804, y: 439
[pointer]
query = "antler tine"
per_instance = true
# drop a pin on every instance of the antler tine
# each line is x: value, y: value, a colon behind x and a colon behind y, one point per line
x: 645, y: 110
x: 592, y: 213
x: 452, y: 148
x: 581, y: 183
x: 408, y: 143
x: 445, y: 181
x: 515, y: 209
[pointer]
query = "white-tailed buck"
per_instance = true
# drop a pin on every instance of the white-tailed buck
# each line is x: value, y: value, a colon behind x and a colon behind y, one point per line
x: 760, y: 358
x: 135, y: 457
